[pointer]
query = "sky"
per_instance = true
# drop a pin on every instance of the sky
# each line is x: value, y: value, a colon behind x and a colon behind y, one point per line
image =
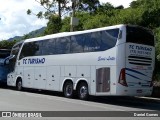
x: 14, y: 20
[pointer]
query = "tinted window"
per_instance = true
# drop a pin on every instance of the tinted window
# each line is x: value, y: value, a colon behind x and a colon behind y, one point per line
x: 49, y: 47
x: 39, y: 46
x: 100, y: 41
x: 29, y: 49
x: 15, y: 51
x: 63, y: 45
x: 89, y: 42
x: 95, y: 41
x: 139, y: 35
x: 77, y: 43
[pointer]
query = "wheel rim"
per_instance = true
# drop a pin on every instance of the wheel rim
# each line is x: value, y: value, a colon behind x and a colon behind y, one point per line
x: 19, y: 85
x: 83, y: 91
x: 69, y: 90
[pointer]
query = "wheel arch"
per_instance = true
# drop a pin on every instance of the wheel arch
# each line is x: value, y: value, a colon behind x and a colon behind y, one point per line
x: 64, y: 81
x: 79, y: 81
x: 17, y: 79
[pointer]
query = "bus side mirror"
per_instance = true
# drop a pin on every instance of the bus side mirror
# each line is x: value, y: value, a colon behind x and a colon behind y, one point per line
x: 120, y: 34
x: 11, y: 57
x: 7, y: 61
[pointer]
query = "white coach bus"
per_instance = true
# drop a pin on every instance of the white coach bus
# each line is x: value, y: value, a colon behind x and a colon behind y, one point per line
x: 117, y: 60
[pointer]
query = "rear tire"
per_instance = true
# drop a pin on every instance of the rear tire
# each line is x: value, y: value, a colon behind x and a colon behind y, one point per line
x: 68, y: 89
x: 19, y: 85
x: 83, y: 91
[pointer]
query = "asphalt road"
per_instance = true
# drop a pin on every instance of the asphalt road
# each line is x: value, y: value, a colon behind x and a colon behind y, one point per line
x: 12, y: 100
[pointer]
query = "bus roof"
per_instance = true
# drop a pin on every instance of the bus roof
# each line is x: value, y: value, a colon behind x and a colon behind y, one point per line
x: 65, y: 34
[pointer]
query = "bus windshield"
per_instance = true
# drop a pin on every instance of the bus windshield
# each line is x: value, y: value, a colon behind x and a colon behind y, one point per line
x: 139, y: 35
x: 15, y: 49
x: 14, y: 52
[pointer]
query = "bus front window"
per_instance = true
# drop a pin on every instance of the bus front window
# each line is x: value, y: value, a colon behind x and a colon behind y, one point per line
x: 14, y: 53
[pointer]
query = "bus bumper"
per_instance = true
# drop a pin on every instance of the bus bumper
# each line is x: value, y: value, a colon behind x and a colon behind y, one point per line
x: 135, y: 92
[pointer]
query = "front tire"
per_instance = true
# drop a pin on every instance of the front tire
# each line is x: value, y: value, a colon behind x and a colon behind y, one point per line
x: 83, y: 91
x: 68, y: 90
x: 19, y: 85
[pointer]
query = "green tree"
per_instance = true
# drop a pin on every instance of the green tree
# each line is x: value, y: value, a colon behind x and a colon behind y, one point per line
x: 53, y: 26
x: 51, y: 8
x: 88, y: 5
x: 61, y: 6
x: 65, y: 25
x: 104, y: 8
x: 5, y: 44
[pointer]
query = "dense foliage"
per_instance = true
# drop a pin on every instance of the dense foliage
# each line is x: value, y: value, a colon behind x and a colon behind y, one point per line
x: 4, y: 44
x: 141, y: 12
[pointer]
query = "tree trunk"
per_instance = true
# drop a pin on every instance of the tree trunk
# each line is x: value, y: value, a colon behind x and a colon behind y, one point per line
x: 59, y: 8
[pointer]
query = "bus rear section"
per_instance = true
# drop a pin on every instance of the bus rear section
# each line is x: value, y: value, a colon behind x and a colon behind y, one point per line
x: 135, y: 77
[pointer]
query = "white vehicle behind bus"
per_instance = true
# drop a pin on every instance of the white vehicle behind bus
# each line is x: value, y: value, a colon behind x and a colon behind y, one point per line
x: 117, y: 60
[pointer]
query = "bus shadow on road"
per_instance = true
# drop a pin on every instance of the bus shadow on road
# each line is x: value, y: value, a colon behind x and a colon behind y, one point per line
x: 133, y: 102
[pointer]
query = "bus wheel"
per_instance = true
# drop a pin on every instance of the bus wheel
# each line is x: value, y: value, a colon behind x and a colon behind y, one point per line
x: 68, y: 89
x: 83, y: 91
x: 19, y: 85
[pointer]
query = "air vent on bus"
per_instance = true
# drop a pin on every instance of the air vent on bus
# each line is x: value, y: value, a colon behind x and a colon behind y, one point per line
x: 136, y: 60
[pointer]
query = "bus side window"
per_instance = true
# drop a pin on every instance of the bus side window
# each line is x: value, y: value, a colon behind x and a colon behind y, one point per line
x: 109, y: 38
x: 29, y: 49
x: 49, y: 47
x: 92, y: 42
x: 62, y: 45
x: 77, y: 43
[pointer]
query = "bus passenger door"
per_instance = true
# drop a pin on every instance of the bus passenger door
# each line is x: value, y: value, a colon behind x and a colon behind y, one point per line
x: 40, y: 78
x: 53, y: 76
